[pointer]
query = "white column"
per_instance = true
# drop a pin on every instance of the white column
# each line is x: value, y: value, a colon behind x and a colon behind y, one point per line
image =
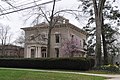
x: 25, y: 52
x: 36, y: 52
x: 39, y: 52
x: 28, y: 54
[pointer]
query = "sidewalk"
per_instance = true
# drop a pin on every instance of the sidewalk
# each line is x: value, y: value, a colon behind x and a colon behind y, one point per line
x: 109, y: 76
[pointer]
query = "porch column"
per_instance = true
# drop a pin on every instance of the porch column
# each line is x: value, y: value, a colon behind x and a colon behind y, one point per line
x: 28, y: 52
x: 36, y: 52
x: 39, y: 52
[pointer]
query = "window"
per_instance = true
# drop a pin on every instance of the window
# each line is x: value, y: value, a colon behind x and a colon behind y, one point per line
x: 32, y: 53
x: 57, y: 52
x: 72, y: 36
x: 80, y: 43
x: 57, y: 37
x: 84, y: 43
x: 43, y: 52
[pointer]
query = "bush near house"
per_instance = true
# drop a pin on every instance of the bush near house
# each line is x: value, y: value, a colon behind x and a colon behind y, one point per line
x: 50, y: 63
x: 109, y: 68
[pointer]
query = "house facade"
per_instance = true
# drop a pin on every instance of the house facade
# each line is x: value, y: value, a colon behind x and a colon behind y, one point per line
x: 36, y: 39
x: 11, y: 51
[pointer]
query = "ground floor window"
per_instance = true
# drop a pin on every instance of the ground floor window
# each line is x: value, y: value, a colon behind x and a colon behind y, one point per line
x: 43, y: 52
x: 57, y: 52
x: 32, y: 53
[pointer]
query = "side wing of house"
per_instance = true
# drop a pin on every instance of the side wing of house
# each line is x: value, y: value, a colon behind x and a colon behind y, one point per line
x: 63, y: 35
x: 76, y: 38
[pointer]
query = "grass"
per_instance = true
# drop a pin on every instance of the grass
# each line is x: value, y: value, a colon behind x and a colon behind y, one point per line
x: 6, y: 74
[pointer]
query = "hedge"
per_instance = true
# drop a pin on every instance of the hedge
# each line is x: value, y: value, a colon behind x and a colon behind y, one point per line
x: 49, y: 63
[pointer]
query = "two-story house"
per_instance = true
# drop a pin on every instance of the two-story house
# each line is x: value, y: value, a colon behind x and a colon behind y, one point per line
x: 36, y: 38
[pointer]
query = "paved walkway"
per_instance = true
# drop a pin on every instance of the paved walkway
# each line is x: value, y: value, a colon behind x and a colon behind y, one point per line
x: 109, y: 76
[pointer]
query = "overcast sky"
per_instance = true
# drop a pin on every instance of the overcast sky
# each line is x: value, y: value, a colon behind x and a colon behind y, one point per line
x: 16, y: 20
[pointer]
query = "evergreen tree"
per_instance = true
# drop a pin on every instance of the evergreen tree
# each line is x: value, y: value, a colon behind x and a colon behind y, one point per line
x: 109, y: 14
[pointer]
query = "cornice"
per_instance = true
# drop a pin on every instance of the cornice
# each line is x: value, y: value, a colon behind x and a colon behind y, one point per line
x: 57, y: 26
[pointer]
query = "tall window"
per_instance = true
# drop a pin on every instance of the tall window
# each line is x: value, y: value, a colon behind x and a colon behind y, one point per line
x: 32, y: 53
x: 43, y: 52
x: 57, y: 52
x: 57, y: 38
x: 84, y: 44
x: 80, y: 44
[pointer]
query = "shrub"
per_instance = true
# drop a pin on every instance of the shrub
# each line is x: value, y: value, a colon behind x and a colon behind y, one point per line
x: 49, y: 63
x: 109, y: 68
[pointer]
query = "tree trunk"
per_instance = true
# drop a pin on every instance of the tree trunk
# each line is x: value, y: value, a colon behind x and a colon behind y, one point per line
x: 50, y: 29
x: 98, y: 43
x: 104, y: 44
x: 98, y: 8
x: 49, y: 42
x: 105, y: 49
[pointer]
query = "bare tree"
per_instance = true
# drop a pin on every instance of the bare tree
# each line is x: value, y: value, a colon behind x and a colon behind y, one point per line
x: 4, y: 37
x: 20, y: 40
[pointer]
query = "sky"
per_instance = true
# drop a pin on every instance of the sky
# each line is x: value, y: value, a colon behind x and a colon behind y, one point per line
x: 17, y: 20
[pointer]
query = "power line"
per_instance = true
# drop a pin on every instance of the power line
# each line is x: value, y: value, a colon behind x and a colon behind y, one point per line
x: 21, y: 5
x: 27, y: 8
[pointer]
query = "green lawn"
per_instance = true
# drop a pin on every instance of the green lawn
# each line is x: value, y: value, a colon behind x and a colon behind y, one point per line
x: 6, y: 74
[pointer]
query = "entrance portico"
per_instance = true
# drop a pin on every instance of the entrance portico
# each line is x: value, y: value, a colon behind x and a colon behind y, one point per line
x: 36, y: 51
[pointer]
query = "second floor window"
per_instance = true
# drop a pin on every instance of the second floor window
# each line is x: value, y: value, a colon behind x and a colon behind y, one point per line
x: 57, y: 38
